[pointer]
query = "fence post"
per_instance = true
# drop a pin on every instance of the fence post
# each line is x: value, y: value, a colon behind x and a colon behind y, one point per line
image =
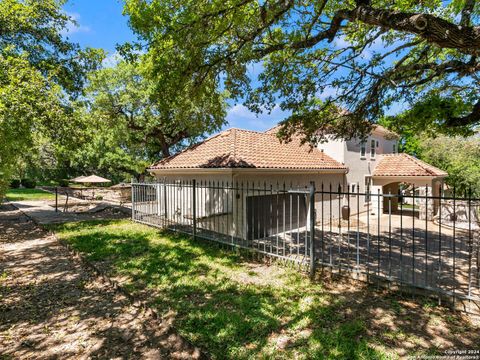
x: 133, y: 200
x: 194, y: 200
x: 165, y: 204
x: 159, y: 211
x: 56, y: 199
x: 312, y: 230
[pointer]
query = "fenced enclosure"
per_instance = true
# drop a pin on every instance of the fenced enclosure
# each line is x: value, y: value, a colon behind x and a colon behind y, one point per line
x: 262, y: 219
x: 422, y: 241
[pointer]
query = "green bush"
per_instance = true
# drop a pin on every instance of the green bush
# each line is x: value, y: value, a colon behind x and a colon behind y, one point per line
x: 29, y: 183
x: 15, y: 184
x: 63, y: 183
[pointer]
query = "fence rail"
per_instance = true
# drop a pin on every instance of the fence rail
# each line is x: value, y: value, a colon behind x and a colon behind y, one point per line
x: 419, y: 240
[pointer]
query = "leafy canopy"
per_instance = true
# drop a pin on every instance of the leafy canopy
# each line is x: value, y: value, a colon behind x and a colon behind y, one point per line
x: 321, y: 55
x: 27, y: 103
x: 128, y: 124
x: 40, y: 72
x: 459, y: 156
x: 36, y: 30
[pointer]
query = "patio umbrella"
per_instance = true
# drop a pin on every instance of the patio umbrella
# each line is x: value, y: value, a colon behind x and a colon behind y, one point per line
x: 92, y: 179
x: 77, y: 179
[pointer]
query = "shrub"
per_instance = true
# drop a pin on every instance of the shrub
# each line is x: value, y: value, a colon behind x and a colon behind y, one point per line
x: 63, y: 183
x: 15, y: 184
x: 29, y: 183
x: 99, y: 197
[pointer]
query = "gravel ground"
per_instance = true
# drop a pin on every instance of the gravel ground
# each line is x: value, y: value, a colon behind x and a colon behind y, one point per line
x: 52, y: 307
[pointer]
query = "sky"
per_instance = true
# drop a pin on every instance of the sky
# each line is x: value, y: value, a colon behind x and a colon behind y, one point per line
x: 102, y: 25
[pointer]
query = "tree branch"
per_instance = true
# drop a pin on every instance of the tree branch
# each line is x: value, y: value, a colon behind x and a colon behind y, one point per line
x: 470, y: 119
x: 467, y: 12
x: 308, y: 42
x: 435, y: 30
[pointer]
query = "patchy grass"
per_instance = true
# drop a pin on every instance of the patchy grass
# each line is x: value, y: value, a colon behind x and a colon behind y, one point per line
x: 28, y: 194
x: 233, y: 308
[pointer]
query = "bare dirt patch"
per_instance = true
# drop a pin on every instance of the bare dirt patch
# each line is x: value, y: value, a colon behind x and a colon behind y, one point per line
x: 51, y: 306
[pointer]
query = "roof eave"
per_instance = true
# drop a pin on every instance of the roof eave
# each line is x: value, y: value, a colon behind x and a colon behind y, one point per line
x: 410, y: 176
x: 199, y: 170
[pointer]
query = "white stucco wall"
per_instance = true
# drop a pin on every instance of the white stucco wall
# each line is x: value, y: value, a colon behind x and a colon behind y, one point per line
x: 336, y: 149
x: 348, y: 152
x: 230, y: 204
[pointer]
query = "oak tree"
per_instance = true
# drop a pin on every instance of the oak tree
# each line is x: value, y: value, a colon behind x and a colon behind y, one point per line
x: 319, y: 56
x: 40, y: 73
x: 129, y: 124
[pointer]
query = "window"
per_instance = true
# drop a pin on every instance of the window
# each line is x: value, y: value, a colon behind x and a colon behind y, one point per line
x: 394, y: 148
x: 372, y: 149
x: 353, y: 187
x: 363, y: 149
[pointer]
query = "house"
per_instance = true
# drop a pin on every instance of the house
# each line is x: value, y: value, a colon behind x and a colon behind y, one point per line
x: 375, y: 164
x: 252, y: 167
x: 237, y: 155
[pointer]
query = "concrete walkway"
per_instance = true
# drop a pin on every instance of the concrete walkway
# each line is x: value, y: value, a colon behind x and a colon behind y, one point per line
x: 43, y: 213
x: 52, y: 307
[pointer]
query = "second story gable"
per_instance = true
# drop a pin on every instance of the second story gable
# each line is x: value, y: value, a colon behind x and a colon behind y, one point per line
x: 380, y: 141
x: 350, y: 152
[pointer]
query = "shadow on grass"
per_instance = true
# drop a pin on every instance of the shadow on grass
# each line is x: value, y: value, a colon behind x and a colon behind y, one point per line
x: 218, y: 303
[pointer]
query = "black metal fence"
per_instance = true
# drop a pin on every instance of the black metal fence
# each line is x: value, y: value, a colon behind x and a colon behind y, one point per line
x: 415, y: 238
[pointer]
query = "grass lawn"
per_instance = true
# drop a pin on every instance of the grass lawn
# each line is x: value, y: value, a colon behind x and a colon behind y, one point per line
x: 238, y: 309
x: 28, y: 194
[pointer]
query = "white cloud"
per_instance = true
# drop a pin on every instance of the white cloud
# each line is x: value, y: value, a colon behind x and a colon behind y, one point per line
x: 239, y: 116
x: 111, y: 60
x: 341, y: 42
x: 377, y: 45
x: 75, y: 26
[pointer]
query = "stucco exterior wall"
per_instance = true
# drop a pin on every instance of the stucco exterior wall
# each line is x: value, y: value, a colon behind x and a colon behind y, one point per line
x: 359, y: 168
x: 336, y: 149
x: 222, y: 195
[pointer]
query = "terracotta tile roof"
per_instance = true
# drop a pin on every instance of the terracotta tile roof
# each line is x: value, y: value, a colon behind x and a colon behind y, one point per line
x: 405, y: 165
x: 379, y: 129
x: 236, y: 148
x: 274, y: 130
